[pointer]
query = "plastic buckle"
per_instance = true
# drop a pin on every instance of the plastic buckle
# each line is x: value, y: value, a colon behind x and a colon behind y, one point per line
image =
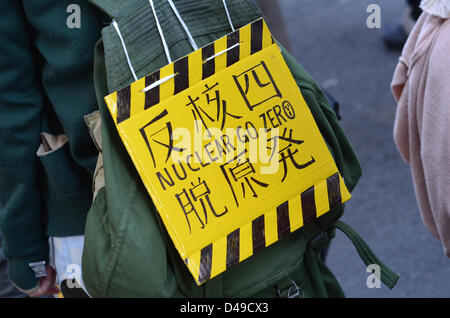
x: 296, y: 292
x: 293, y: 292
x: 38, y: 268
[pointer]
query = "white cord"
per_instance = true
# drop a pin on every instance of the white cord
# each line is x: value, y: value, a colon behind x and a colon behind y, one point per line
x: 116, y: 26
x: 221, y: 52
x: 228, y: 14
x: 159, y: 82
x: 191, y: 39
x: 163, y: 39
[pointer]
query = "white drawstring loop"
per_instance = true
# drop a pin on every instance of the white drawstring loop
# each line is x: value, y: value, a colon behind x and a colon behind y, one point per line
x: 228, y: 14
x: 190, y: 38
x: 221, y: 52
x: 161, y: 34
x: 116, y: 26
x: 159, y: 82
x: 163, y: 40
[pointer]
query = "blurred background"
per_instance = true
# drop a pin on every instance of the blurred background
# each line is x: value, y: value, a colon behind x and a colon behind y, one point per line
x: 332, y: 41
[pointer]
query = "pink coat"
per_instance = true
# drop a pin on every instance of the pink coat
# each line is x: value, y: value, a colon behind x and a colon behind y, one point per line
x: 421, y: 86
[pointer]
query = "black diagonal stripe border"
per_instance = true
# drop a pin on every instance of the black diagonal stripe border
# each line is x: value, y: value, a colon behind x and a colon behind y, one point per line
x: 209, y: 67
x: 233, y: 248
x: 258, y: 234
x: 181, y: 69
x: 233, y: 54
x: 308, y: 205
x: 334, y: 191
x: 123, y: 104
x: 256, y: 36
x: 152, y: 96
x: 283, y: 223
x: 205, y: 263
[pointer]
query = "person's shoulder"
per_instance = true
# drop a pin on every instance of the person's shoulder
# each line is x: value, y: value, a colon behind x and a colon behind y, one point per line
x: 442, y: 44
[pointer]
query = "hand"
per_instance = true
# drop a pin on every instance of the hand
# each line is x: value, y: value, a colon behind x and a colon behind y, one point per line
x: 47, y: 284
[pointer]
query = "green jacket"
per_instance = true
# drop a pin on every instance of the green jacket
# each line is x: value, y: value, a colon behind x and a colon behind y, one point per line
x: 127, y: 252
x: 46, y: 85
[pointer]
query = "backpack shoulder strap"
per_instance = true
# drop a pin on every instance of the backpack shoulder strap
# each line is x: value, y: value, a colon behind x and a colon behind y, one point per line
x: 319, y: 239
x: 387, y: 276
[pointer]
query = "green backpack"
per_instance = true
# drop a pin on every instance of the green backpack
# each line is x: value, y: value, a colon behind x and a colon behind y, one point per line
x: 128, y: 252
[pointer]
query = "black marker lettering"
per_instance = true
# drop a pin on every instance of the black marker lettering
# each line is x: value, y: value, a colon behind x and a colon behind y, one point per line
x: 227, y: 143
x: 182, y: 168
x: 277, y: 111
x: 163, y: 180
x: 209, y: 152
x: 188, y: 162
x: 200, y: 160
x: 263, y: 116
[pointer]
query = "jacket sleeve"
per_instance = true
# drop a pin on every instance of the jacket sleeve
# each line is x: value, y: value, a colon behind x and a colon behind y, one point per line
x: 21, y: 105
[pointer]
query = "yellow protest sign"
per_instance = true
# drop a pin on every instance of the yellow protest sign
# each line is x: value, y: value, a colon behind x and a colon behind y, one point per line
x: 227, y: 149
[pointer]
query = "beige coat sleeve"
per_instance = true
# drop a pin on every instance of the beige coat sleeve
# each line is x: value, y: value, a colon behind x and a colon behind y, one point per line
x: 435, y: 134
